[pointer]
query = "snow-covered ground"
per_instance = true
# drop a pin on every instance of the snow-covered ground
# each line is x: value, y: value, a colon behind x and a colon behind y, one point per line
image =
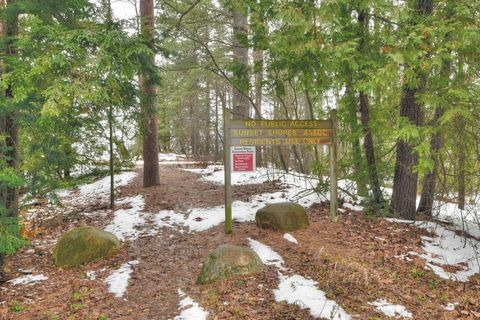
x: 118, y: 281
x: 391, y: 310
x: 289, y: 237
x: 125, y: 221
x: 446, y: 248
x: 28, y: 279
x: 100, y: 189
x: 296, y: 289
x: 189, y: 309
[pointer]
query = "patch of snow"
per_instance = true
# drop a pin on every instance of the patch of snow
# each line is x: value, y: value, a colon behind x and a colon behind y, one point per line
x: 91, y: 275
x: 267, y: 254
x: 297, y: 187
x: 304, y: 293
x: 28, y: 279
x: 451, y: 306
x: 447, y: 248
x: 100, y: 190
x: 297, y: 289
x: 190, y: 310
x: 353, y: 207
x: 201, y: 219
x: 125, y: 220
x: 391, y: 310
x: 170, y: 157
x: 289, y: 237
x: 62, y: 193
x: 118, y: 280
x: 177, y: 162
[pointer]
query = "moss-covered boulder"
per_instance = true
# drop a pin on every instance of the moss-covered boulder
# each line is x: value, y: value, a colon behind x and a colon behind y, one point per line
x: 227, y: 261
x: 285, y: 217
x: 84, y: 244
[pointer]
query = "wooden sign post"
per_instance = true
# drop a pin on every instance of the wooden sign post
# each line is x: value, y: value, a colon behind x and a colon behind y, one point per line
x: 238, y: 133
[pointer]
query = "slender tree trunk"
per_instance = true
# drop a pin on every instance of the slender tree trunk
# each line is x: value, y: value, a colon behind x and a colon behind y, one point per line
x: 194, y: 128
x: 112, y: 169
x: 217, y: 147
x: 358, y: 162
x: 364, y: 108
x: 241, y: 107
x: 258, y: 67
x: 151, y: 168
x: 208, y: 131
x: 462, y: 156
x: 8, y: 118
x: 430, y: 180
x: 108, y: 7
x: 370, y: 150
x: 406, y: 179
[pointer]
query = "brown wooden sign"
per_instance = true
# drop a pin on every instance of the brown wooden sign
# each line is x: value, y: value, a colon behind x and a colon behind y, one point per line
x: 279, y: 133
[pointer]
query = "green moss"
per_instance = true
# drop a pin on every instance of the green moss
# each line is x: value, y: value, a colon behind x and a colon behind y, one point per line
x: 227, y: 261
x: 84, y: 244
x: 283, y: 217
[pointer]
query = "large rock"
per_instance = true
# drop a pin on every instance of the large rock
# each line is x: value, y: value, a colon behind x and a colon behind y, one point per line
x: 227, y: 261
x: 285, y: 217
x: 84, y: 244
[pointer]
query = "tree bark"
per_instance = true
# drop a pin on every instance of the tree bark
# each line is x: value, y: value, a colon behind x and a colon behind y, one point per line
x: 370, y: 150
x: 241, y: 108
x: 430, y: 180
x: 8, y: 118
x: 462, y: 156
x: 364, y: 108
x: 151, y: 169
x: 429, y: 186
x: 358, y: 163
x: 208, y: 137
x: 405, y: 178
x: 258, y: 67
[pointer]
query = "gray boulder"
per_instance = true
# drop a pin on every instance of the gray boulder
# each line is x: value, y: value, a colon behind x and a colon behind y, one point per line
x: 84, y: 244
x: 285, y: 217
x: 228, y: 261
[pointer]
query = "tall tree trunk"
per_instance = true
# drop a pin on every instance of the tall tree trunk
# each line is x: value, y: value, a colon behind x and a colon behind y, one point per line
x: 462, y: 156
x: 370, y: 150
x: 406, y: 179
x: 208, y: 131
x: 217, y: 147
x: 430, y: 180
x: 8, y: 118
x: 364, y: 108
x: 151, y: 168
x: 240, y: 56
x: 358, y: 162
x: 258, y: 67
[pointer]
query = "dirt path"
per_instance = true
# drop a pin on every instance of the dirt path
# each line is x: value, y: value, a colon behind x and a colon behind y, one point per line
x: 354, y: 261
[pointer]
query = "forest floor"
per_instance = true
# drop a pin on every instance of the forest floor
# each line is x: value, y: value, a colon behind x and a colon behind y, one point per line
x: 358, y: 263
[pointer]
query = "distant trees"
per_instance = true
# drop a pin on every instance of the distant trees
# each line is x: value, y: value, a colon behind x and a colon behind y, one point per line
x: 390, y: 68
